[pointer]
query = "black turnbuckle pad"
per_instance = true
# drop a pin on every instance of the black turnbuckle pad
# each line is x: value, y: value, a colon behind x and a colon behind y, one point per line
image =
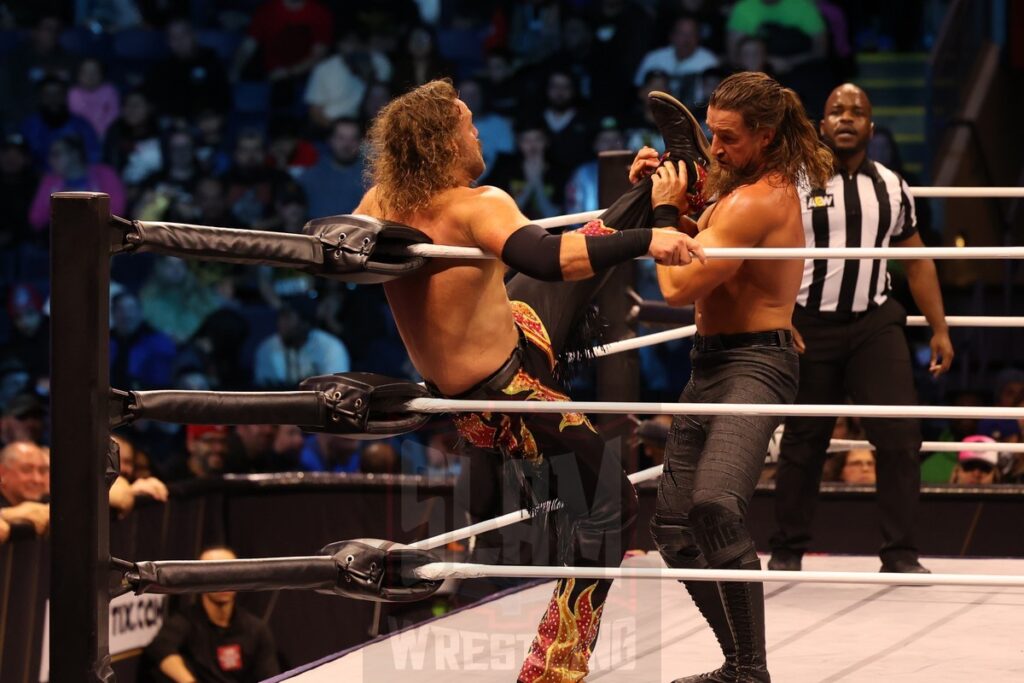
x: 366, y: 250
x: 381, y: 571
x: 365, y: 405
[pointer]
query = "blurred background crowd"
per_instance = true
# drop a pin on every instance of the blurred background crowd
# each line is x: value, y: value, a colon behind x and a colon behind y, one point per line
x: 252, y: 114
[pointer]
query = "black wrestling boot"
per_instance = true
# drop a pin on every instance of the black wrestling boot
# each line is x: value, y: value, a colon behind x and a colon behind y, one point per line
x: 708, y: 598
x: 744, y: 604
x: 684, y: 138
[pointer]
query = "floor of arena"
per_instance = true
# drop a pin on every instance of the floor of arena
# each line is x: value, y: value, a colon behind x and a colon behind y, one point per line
x: 652, y: 632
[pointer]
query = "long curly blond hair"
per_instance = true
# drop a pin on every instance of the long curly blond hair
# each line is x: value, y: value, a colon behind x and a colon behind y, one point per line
x: 413, y: 150
x: 796, y: 152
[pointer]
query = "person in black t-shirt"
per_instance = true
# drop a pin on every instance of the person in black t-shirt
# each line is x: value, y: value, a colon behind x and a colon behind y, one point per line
x: 213, y: 640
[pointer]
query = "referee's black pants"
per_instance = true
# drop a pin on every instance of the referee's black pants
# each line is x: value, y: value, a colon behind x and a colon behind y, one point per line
x: 863, y: 356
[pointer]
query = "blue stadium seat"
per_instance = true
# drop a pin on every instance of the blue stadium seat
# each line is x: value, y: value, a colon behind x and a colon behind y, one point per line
x: 224, y: 43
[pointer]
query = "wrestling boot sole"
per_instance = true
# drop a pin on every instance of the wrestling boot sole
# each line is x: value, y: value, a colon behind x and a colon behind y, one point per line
x: 684, y: 138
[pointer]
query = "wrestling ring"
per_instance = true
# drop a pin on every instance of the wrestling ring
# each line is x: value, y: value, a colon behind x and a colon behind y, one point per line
x: 841, y: 631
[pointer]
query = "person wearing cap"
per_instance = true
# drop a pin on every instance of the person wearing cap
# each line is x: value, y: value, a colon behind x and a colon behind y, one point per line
x: 207, y: 447
x: 977, y: 468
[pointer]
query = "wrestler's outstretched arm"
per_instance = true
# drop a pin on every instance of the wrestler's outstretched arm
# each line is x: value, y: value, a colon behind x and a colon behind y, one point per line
x: 498, y: 227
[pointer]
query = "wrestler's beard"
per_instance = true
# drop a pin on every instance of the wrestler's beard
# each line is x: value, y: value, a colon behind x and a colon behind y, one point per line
x: 721, y: 179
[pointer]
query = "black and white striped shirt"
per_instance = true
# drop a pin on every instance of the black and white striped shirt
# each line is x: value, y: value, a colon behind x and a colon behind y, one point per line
x: 870, y: 209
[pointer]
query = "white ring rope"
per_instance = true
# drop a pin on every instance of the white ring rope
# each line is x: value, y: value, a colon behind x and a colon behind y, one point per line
x: 936, y: 446
x: 645, y: 340
x: 460, y: 570
x: 933, y: 192
x: 776, y: 253
x: 513, y: 517
x: 442, y: 405
x: 651, y: 473
x: 688, y: 331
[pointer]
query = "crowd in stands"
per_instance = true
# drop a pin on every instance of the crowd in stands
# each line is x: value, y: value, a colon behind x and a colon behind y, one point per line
x: 252, y: 114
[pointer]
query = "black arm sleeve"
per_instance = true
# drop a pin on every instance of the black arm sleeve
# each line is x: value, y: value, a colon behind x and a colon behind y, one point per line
x: 666, y: 216
x: 535, y: 252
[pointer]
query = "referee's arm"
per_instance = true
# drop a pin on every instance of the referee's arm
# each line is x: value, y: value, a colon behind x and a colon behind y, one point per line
x: 924, y: 287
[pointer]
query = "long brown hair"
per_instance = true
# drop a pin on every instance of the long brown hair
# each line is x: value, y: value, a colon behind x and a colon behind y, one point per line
x: 796, y: 152
x: 413, y: 147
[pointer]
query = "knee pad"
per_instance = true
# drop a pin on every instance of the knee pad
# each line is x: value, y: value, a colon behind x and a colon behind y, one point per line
x: 673, y: 536
x: 721, y: 534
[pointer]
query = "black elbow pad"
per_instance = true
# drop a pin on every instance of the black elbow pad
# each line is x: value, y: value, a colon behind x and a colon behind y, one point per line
x: 535, y: 252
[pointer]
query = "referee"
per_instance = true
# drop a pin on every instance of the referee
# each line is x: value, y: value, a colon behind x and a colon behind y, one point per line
x: 851, y: 339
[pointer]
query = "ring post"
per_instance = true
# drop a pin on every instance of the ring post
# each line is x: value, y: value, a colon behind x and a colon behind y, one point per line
x: 79, y: 381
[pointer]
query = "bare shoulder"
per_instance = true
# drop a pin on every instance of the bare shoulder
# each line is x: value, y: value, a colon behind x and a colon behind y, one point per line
x: 368, y: 205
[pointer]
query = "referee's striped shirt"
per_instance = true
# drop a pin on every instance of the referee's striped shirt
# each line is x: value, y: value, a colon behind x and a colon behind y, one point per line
x: 870, y: 209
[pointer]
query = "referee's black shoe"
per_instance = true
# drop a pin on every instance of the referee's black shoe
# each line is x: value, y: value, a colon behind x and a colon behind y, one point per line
x: 903, y: 566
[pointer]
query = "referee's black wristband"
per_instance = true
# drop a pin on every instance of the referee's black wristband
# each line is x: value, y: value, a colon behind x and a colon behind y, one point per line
x: 606, y: 251
x: 666, y: 216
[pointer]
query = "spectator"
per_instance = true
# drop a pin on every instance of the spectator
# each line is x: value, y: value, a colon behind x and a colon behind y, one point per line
x: 250, y: 184
x: 493, y: 130
x: 140, y: 357
x: 337, y: 84
x: 534, y: 29
x: 18, y: 183
x: 653, y: 435
x: 535, y: 181
x: 209, y: 206
x: 581, y: 191
x: 976, y: 468
x: 24, y: 473
x: 287, y: 448
x: 218, y: 340
x: 641, y: 130
x: 377, y: 95
x: 441, y: 453
x: 851, y: 467
x: 133, y: 144
x: 752, y: 55
x: 23, y: 419
x: 29, y: 64
x: 335, y: 184
x: 207, y: 448
x: 501, y: 85
x: 173, y: 300
x: 683, y: 59
x: 622, y: 30
x: 287, y: 150
x: 191, y: 79
x: 291, y: 37
x: 251, y: 449
x: 576, y: 57
x: 70, y: 169
x: 53, y: 120
x: 297, y: 351
x: 14, y: 379
x: 569, y: 130
x: 174, y: 183
x: 93, y: 98
x: 133, y: 462
x: 793, y: 30
x: 419, y: 61
x: 214, y: 640
x: 330, y: 453
x: 30, y: 337
x: 937, y: 467
x: 379, y: 457
x: 211, y: 146
x: 1009, y: 391
x: 277, y: 285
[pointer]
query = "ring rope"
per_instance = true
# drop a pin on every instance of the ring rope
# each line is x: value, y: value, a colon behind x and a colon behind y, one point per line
x: 775, y: 253
x: 688, y: 331
x: 931, y: 192
x: 936, y: 446
x: 436, y: 571
x: 441, y: 405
